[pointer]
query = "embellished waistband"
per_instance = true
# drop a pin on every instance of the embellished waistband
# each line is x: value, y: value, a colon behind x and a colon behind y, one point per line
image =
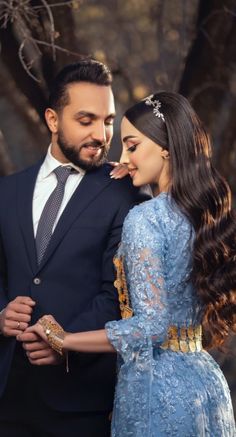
x: 183, y: 339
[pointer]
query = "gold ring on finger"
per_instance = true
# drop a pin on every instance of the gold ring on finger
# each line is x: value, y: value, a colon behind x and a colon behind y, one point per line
x: 18, y: 325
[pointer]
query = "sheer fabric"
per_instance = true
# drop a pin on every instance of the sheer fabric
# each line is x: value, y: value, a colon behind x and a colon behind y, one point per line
x: 163, y: 393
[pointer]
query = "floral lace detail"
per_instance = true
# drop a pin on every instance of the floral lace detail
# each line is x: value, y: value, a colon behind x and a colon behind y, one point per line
x: 159, y: 392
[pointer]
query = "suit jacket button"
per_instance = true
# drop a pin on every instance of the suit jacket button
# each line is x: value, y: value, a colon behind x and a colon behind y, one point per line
x: 37, y: 281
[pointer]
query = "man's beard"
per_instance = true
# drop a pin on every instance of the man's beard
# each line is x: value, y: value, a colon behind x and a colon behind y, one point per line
x: 73, y: 155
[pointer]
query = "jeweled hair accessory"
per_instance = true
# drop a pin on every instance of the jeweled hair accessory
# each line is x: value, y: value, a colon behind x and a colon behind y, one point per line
x: 156, y: 106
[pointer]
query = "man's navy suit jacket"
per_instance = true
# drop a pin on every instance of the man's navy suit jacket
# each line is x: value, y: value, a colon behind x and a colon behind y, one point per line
x: 74, y: 282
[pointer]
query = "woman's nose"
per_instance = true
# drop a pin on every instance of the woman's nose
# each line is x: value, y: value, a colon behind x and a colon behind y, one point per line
x: 124, y: 159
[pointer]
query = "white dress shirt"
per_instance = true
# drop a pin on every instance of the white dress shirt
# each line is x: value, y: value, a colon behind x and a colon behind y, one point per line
x: 46, y: 182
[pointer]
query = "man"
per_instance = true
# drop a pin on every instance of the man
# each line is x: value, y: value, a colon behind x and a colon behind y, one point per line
x: 60, y: 224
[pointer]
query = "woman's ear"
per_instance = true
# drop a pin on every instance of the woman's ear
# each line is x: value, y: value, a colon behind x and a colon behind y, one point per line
x: 165, y: 154
x: 51, y: 118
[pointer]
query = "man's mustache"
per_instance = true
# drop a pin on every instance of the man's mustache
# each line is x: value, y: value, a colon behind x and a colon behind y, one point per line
x: 95, y: 144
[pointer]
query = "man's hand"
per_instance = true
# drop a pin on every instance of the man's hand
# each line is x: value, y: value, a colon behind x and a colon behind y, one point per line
x: 38, y: 351
x: 15, y: 318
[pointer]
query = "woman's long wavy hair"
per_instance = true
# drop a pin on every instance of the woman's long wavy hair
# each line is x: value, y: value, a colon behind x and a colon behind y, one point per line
x: 205, y: 198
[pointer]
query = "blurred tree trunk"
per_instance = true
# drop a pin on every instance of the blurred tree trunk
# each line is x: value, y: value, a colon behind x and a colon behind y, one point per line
x: 9, y: 55
x: 24, y: 137
x: 209, y: 80
x: 175, y: 29
x: 70, y: 48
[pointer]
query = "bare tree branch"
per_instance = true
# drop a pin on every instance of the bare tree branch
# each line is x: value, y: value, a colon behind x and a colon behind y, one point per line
x: 52, y: 28
x: 20, y: 13
x: 71, y: 3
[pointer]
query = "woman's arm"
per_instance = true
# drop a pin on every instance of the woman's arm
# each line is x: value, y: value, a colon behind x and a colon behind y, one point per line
x: 91, y: 341
x: 52, y: 333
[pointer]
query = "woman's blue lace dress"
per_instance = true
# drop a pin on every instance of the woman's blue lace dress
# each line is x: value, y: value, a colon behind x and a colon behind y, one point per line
x: 159, y: 392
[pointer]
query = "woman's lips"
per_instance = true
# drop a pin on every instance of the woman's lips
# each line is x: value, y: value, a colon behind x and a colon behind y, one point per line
x: 132, y: 172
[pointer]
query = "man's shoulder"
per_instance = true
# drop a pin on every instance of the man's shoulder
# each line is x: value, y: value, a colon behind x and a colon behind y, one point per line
x: 124, y: 188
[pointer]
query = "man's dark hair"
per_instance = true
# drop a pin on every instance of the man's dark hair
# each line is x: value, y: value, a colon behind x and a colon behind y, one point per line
x: 88, y: 70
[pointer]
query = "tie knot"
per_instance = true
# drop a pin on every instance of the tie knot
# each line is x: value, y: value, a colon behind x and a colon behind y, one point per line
x: 62, y: 173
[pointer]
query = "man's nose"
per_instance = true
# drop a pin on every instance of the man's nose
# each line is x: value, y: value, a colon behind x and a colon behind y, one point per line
x: 124, y: 159
x: 99, y: 133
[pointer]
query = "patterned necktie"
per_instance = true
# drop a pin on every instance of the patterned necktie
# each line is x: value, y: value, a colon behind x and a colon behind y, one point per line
x: 50, y: 211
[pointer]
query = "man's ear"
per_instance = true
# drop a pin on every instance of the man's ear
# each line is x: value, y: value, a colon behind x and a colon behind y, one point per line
x: 51, y: 118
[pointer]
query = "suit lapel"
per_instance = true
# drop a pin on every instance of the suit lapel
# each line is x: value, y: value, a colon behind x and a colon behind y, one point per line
x: 89, y: 188
x: 25, y: 190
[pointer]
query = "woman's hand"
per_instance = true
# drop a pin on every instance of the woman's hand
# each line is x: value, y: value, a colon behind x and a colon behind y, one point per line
x: 38, y: 328
x: 43, y: 342
x: 119, y: 170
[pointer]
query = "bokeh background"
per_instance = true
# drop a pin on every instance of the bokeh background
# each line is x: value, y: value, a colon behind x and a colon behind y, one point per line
x: 188, y: 46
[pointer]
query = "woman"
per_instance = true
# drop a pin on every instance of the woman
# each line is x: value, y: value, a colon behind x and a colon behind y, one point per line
x: 177, y: 260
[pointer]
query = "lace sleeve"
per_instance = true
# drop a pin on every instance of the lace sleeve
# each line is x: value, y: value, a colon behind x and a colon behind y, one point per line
x: 143, y: 246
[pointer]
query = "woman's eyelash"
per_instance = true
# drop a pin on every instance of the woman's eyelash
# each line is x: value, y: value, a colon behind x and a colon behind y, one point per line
x: 132, y: 148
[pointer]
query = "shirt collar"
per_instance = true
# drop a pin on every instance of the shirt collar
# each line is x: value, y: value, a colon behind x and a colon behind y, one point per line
x: 50, y: 163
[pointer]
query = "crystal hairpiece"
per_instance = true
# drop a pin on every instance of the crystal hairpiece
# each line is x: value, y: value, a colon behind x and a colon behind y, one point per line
x: 156, y: 106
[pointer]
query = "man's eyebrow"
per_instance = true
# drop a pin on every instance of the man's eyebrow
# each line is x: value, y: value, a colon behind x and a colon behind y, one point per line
x: 128, y: 137
x: 91, y: 115
x: 85, y: 114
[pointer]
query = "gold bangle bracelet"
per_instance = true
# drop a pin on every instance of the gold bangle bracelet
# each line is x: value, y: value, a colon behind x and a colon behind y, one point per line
x: 55, y: 335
